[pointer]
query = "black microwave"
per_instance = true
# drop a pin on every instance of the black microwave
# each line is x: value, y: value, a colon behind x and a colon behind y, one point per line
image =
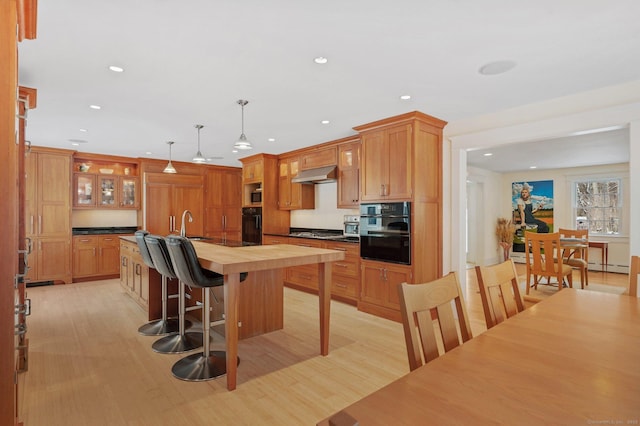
x: 256, y: 197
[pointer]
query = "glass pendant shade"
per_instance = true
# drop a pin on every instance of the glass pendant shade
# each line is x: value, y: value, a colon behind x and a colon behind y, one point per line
x: 199, y: 158
x: 169, y: 168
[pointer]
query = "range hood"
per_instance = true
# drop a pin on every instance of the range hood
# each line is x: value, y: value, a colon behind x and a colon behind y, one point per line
x: 319, y: 175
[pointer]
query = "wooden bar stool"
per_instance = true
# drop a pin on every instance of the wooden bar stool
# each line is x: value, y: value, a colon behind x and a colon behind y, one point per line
x: 183, y: 341
x: 205, y: 365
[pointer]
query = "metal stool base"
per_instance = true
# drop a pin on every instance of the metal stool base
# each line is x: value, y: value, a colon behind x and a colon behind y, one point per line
x: 161, y: 327
x: 198, y: 367
x: 177, y: 344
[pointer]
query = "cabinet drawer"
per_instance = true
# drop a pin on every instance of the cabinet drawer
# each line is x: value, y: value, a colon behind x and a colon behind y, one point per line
x: 306, y: 242
x: 344, y: 286
x: 272, y: 239
x: 303, y: 276
x: 109, y: 241
x: 349, y: 248
x: 84, y: 240
x: 349, y: 267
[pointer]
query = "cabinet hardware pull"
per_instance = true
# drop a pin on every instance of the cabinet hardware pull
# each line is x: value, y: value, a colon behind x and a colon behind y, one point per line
x: 342, y: 265
x: 39, y: 224
x: 341, y: 285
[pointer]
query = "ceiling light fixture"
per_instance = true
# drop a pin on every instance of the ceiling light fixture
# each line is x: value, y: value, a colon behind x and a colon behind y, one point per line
x: 95, y: 106
x: 497, y: 67
x: 199, y: 158
x: 169, y: 168
x: 405, y: 97
x: 320, y: 60
x: 116, y: 69
x: 325, y: 121
x: 242, y: 142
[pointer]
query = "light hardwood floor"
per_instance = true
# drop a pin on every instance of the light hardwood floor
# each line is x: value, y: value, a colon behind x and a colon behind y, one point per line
x: 89, y: 366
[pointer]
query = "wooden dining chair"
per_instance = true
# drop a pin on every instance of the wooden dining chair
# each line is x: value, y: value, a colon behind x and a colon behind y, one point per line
x: 544, y: 259
x: 417, y: 302
x: 577, y: 258
x: 499, y: 292
x: 634, y: 270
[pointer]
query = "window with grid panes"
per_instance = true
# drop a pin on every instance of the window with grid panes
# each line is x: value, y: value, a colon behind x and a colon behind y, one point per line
x: 598, y: 205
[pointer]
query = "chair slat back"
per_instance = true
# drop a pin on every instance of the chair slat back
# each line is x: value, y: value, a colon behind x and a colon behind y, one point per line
x: 633, y: 276
x: 576, y: 233
x: 499, y: 291
x: 542, y: 256
x: 417, y: 302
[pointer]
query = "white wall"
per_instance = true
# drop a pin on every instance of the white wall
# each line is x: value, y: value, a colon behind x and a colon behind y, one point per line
x: 326, y: 215
x: 609, y: 106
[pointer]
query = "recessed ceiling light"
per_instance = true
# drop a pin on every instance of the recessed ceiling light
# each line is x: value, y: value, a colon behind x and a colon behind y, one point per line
x: 405, y: 97
x: 533, y: 167
x: 325, y: 121
x: 77, y: 141
x: 320, y: 60
x: 116, y: 69
x: 497, y: 67
x: 148, y: 153
x: 271, y: 140
x: 488, y: 154
x: 83, y: 130
x: 235, y: 151
x: 95, y: 106
x: 215, y: 158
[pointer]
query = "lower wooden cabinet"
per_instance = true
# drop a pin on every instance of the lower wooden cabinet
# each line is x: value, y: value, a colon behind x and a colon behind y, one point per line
x: 345, y: 274
x: 96, y: 256
x: 134, y: 273
x: 379, y: 288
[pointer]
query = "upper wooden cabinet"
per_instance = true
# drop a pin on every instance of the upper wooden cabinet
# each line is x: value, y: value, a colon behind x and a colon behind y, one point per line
x: 401, y: 158
x: 318, y: 157
x: 386, y: 164
x: 260, y: 174
x: 101, y: 181
x: 106, y: 191
x: 253, y: 170
x: 349, y: 175
x: 293, y: 196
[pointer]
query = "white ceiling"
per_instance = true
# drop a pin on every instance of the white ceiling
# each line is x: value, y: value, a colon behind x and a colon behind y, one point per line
x: 189, y: 62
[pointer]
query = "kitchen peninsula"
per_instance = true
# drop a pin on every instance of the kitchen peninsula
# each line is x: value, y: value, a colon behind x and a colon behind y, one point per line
x: 231, y: 261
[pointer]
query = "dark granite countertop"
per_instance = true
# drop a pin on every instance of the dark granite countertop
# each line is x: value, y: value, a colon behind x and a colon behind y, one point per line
x: 105, y: 230
x: 319, y: 234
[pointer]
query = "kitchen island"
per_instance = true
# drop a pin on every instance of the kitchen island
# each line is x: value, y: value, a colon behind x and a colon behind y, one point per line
x: 231, y: 261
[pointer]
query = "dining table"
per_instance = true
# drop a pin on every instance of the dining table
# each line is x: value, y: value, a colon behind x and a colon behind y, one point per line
x: 231, y: 261
x: 571, y: 359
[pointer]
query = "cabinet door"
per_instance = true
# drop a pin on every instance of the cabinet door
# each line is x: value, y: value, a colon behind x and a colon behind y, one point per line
x: 107, y: 191
x: 284, y: 185
x: 128, y: 192
x: 125, y: 262
x: 158, y: 209
x: 187, y: 197
x: 109, y: 255
x: 85, y: 256
x: 374, y: 167
x: 54, y: 259
x: 84, y: 185
x: 54, y: 197
x: 348, y: 176
x: 379, y: 283
x: 399, y: 155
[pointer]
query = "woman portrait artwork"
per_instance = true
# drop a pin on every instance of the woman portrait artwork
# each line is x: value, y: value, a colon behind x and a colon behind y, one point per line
x: 532, y: 204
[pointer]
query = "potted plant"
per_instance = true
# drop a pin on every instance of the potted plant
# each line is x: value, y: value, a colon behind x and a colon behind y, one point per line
x: 505, y: 231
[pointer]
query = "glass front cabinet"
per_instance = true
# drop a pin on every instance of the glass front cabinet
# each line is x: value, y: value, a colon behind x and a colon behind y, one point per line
x: 106, y: 191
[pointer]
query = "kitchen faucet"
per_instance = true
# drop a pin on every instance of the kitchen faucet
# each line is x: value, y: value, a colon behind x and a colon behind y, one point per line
x: 183, y: 227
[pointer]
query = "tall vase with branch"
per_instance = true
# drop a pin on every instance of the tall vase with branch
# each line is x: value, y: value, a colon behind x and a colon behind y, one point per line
x: 505, y: 230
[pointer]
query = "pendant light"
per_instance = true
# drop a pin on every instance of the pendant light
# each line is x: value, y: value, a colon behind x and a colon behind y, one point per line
x: 169, y: 168
x: 242, y: 142
x: 199, y: 158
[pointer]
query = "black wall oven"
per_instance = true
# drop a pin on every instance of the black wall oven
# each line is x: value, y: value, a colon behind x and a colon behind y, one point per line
x: 385, y: 232
x: 252, y: 225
